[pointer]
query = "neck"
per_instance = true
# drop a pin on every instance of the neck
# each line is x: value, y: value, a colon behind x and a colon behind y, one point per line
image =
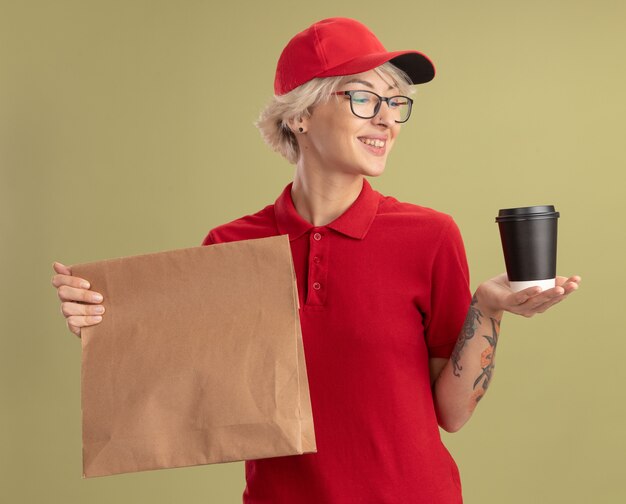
x: 320, y: 197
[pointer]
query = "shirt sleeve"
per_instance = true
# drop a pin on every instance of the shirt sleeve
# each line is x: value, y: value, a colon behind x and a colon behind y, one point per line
x: 209, y: 239
x: 450, y: 294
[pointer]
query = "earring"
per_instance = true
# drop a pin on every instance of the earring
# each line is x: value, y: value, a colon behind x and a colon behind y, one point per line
x: 301, y: 130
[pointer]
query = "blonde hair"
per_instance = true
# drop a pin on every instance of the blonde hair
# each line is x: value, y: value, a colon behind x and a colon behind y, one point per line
x: 273, y: 122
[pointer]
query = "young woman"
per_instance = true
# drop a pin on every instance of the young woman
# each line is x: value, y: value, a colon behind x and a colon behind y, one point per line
x: 395, y: 343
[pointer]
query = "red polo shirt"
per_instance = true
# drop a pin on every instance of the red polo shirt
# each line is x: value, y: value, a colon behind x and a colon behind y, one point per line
x: 382, y: 288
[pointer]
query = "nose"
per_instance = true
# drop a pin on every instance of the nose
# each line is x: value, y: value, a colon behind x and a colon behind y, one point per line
x: 385, y: 116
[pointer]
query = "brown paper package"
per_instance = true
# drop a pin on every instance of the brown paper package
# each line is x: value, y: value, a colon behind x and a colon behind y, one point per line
x: 198, y: 359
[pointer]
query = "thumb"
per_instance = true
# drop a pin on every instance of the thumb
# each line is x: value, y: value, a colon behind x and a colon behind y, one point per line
x: 524, y: 295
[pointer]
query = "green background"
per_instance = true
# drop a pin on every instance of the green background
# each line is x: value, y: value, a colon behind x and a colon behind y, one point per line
x: 126, y: 128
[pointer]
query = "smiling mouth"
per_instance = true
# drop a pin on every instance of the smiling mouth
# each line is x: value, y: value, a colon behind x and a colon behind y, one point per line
x: 373, y: 142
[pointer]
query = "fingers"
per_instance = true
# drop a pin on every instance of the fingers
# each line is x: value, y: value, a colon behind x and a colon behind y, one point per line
x: 73, y: 329
x: 549, y: 304
x: 541, y: 302
x: 562, y: 281
x: 544, y: 297
x: 81, y: 315
x: 524, y: 295
x: 71, y: 288
x: 73, y: 291
x: 564, y: 286
x: 67, y: 293
x: 69, y: 309
x: 533, y: 300
x: 77, y: 321
x: 568, y: 285
x: 64, y: 277
x: 61, y: 268
x: 72, y: 281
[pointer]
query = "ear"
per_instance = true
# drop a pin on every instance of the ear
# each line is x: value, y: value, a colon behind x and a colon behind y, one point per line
x: 295, y: 123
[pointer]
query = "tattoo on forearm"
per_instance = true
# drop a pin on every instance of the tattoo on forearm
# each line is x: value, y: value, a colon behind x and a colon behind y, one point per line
x: 487, y: 360
x: 472, y: 321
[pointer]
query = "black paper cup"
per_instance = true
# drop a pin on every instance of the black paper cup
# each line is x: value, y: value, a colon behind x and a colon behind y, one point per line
x: 529, y: 236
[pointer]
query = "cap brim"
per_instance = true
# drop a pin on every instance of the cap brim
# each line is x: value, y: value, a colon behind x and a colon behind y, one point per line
x: 417, y: 66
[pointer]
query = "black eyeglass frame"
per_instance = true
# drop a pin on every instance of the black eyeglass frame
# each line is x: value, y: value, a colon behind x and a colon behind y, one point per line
x: 381, y: 99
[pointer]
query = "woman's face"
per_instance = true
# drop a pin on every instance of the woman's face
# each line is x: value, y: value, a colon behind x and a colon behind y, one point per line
x: 338, y: 140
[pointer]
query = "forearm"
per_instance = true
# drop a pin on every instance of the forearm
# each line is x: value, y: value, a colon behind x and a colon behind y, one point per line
x: 466, y: 376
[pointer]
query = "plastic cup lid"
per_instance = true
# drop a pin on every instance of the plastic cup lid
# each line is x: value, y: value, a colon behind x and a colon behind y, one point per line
x: 527, y: 213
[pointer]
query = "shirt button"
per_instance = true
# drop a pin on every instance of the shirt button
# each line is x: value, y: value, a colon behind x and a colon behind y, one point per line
x: 317, y: 286
x: 317, y: 236
x: 316, y: 259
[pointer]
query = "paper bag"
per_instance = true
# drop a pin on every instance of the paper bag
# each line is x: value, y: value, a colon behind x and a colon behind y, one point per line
x: 198, y: 359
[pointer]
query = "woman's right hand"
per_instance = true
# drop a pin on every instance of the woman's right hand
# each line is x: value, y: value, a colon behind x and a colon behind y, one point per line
x: 79, y: 305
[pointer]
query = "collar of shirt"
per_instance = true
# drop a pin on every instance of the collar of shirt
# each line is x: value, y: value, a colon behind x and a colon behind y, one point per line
x: 354, y: 222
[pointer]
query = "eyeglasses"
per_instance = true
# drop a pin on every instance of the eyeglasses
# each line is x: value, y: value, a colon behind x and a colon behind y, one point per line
x: 366, y: 104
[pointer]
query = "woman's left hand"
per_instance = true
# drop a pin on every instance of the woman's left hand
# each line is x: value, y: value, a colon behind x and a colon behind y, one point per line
x: 496, y: 295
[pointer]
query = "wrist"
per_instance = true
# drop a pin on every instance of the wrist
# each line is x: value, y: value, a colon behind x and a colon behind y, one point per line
x: 487, y: 306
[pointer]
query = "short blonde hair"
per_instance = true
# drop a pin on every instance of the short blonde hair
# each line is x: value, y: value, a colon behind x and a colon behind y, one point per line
x: 273, y: 122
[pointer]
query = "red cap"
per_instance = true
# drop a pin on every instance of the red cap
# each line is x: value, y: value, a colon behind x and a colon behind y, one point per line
x: 341, y: 46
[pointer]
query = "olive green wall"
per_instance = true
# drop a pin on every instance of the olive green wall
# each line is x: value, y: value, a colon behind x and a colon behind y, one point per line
x: 126, y: 128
